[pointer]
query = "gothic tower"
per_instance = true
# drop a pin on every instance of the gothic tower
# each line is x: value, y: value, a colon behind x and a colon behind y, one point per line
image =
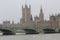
x: 41, y: 15
x: 26, y: 14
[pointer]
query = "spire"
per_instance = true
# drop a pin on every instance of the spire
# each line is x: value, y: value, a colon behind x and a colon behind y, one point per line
x: 12, y: 22
x: 31, y: 17
x: 29, y: 6
x: 41, y: 15
x: 26, y: 4
x: 41, y: 10
x: 22, y: 6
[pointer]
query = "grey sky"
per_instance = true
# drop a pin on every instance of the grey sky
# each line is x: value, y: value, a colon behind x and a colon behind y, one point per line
x: 11, y: 9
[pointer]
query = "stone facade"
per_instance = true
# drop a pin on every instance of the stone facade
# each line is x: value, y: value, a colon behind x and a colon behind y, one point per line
x: 27, y: 21
x: 6, y: 23
x: 55, y: 20
x: 26, y: 14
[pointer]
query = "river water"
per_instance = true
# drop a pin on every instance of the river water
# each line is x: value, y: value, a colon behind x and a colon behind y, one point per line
x: 31, y: 37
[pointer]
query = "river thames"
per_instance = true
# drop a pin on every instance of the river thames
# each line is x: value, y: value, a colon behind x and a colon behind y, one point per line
x: 31, y: 37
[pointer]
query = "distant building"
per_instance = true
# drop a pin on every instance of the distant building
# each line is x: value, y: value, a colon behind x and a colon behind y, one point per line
x: 26, y: 14
x: 27, y: 20
x: 55, y: 21
x: 6, y: 23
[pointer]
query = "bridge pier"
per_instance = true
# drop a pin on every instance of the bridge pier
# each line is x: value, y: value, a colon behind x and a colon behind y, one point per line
x: 9, y: 33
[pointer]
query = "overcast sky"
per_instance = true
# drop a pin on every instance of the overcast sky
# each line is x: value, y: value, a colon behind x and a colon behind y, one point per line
x: 11, y: 9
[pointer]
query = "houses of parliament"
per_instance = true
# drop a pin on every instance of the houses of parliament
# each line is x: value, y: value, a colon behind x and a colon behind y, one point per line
x: 27, y: 20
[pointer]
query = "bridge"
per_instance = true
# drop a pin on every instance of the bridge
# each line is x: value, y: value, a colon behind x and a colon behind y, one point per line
x: 12, y: 31
x: 7, y: 31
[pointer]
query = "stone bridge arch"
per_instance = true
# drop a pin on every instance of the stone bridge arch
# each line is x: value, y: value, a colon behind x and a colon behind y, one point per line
x: 7, y: 32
